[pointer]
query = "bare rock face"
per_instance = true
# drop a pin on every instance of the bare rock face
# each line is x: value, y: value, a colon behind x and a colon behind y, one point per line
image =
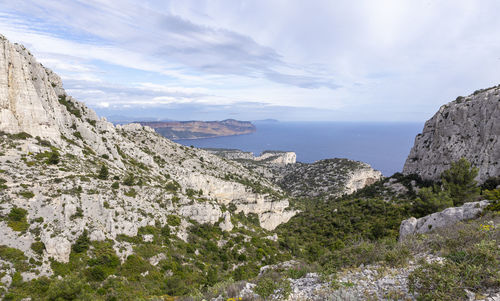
x: 28, y: 100
x: 467, y: 127
x: 447, y: 217
x: 57, y: 248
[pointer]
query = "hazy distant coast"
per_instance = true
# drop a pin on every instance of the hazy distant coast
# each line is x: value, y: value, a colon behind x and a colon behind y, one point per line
x: 201, y: 129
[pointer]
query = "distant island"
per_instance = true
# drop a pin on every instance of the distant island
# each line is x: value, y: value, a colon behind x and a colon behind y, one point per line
x: 200, y: 129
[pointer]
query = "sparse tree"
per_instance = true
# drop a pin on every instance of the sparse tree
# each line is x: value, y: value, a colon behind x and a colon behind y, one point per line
x: 459, y: 181
x: 103, y: 173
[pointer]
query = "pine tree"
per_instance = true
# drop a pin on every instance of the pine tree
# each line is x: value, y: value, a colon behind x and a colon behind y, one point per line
x: 103, y: 173
x: 459, y: 182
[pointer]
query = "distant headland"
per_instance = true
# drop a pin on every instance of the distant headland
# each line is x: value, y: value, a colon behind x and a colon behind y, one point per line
x: 200, y: 129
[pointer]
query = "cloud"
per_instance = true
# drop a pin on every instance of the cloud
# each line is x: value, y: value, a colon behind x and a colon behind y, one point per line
x: 369, y: 60
x: 140, y: 37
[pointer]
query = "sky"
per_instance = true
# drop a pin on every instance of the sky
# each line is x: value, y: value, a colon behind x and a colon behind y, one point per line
x: 314, y: 60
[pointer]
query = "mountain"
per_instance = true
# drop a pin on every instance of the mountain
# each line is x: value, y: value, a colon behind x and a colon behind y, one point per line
x: 467, y: 127
x: 200, y: 129
x: 68, y: 176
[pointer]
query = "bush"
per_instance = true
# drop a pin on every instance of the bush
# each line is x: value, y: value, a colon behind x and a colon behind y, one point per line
x: 103, y: 173
x: 38, y: 247
x: 491, y: 183
x: 17, y: 219
x: 53, y: 157
x: 96, y: 273
x: 27, y: 194
x: 172, y: 186
x: 129, y: 180
x: 266, y: 286
x: 131, y: 193
x: 430, y: 200
x: 173, y: 220
x: 115, y: 185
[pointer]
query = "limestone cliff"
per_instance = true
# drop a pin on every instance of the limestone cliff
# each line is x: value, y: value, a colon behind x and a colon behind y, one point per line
x: 467, y: 127
x: 73, y: 171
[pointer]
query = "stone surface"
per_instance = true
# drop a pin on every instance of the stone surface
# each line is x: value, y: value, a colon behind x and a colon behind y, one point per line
x: 467, y: 127
x: 57, y: 248
x: 447, y: 217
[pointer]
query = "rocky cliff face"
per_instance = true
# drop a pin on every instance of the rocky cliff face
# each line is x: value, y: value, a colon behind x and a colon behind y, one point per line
x: 73, y: 171
x: 467, y: 127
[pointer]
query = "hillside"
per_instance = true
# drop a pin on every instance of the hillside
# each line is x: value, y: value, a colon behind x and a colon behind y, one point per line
x: 200, y: 129
x: 72, y: 182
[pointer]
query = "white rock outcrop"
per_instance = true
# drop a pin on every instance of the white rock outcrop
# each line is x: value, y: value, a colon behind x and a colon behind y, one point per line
x: 444, y: 218
x: 468, y: 127
x: 57, y: 248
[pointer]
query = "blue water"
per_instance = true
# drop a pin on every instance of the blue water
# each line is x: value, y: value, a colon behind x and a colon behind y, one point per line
x: 384, y: 146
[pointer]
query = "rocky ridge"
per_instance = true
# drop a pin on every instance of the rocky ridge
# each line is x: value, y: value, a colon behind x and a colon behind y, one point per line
x: 467, y: 127
x: 326, y: 178
x: 53, y: 148
x: 323, y: 178
x: 280, y: 158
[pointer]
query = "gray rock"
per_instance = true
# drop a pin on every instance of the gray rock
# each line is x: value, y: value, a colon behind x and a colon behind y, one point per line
x: 441, y: 219
x: 467, y: 127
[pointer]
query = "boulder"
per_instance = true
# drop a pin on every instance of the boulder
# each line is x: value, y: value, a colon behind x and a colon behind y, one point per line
x: 58, y: 248
x: 445, y: 218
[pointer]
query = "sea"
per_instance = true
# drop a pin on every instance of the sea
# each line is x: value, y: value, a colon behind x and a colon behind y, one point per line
x: 385, y: 146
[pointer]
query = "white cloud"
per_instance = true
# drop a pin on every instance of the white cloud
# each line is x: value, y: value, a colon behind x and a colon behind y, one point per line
x: 377, y: 60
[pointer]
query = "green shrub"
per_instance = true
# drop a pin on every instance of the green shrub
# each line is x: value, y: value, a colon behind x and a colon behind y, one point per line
x: 96, y: 273
x: 82, y: 243
x: 265, y: 287
x: 77, y: 214
x: 172, y: 186
x: 21, y: 136
x: 129, y: 180
x: 432, y: 199
x: 17, y: 219
x: 475, y: 267
x: 27, y: 194
x: 131, y: 193
x: 103, y: 173
x: 53, y: 157
x: 70, y: 106
x: 173, y: 220
x: 38, y: 247
x: 115, y: 185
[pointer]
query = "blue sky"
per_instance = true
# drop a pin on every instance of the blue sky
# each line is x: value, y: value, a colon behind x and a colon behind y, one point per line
x: 385, y: 60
